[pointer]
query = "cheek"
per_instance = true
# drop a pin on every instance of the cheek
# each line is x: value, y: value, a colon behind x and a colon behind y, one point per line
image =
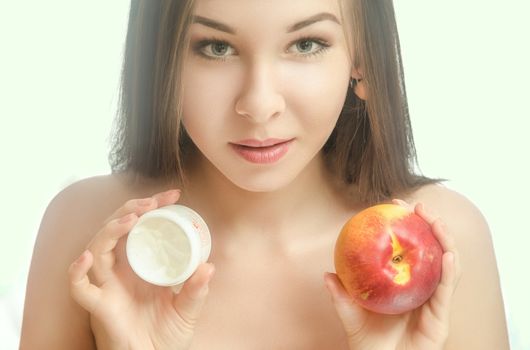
x: 317, y: 92
x: 207, y: 99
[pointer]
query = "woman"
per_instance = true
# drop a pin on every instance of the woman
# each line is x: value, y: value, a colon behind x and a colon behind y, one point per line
x: 277, y: 121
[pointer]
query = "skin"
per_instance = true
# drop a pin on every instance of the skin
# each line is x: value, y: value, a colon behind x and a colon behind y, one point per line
x: 273, y: 226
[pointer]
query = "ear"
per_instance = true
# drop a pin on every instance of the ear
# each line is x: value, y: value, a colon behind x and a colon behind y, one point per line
x: 359, y: 88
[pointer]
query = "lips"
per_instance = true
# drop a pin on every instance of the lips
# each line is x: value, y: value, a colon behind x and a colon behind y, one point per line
x: 262, y: 151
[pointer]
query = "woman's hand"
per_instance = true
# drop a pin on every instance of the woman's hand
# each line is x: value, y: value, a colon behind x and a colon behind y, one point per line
x: 424, y: 328
x: 126, y: 312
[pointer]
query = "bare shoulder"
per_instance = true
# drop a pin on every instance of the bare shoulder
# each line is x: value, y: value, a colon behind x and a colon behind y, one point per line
x: 454, y: 208
x: 442, y: 198
x: 478, y: 317
x: 52, y: 320
x: 78, y: 210
x: 84, y: 205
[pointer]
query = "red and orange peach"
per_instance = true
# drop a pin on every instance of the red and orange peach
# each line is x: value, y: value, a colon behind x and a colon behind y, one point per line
x: 388, y: 259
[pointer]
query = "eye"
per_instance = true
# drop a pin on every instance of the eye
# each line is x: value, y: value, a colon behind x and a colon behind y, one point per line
x: 219, y: 49
x: 308, y: 46
x: 305, y: 46
x: 214, y: 49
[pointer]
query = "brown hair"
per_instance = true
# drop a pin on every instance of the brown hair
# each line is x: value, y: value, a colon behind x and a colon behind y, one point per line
x: 371, y: 148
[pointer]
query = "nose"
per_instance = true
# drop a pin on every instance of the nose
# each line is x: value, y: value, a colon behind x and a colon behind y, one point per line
x: 260, y: 99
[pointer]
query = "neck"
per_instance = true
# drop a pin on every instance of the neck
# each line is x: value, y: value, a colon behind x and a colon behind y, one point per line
x: 239, y: 210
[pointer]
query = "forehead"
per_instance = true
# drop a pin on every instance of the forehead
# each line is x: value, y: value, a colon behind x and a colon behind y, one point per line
x: 266, y: 14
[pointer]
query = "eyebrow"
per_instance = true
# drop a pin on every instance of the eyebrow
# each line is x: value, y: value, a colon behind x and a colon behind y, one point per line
x: 324, y: 16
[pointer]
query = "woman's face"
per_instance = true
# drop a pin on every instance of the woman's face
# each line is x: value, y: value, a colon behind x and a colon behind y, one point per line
x: 264, y: 83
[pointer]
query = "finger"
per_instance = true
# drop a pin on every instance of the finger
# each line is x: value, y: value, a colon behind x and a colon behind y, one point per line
x: 136, y: 206
x: 143, y: 205
x: 82, y: 291
x: 402, y: 203
x: 189, y: 302
x: 440, y: 301
x: 167, y: 198
x: 439, y: 229
x: 444, y: 236
x: 427, y: 215
x: 103, y: 244
x: 351, y: 314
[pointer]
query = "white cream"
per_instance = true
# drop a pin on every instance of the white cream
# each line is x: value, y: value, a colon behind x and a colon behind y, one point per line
x: 167, y: 244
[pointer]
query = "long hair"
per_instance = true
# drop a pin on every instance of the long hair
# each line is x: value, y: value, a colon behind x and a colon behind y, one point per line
x: 372, y: 145
x: 371, y: 150
x: 148, y: 135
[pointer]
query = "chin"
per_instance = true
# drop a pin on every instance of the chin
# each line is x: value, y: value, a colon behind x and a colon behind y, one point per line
x: 263, y: 179
x: 262, y: 182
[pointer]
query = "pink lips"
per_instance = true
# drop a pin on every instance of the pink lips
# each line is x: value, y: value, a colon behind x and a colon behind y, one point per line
x: 262, y: 152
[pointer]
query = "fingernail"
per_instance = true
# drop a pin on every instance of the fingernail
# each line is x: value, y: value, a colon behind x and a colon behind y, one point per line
x: 326, y: 279
x: 126, y: 218
x: 172, y: 193
x: 211, y: 272
x: 329, y: 285
x: 204, y: 290
x: 401, y: 202
x: 145, y: 202
x: 81, y: 258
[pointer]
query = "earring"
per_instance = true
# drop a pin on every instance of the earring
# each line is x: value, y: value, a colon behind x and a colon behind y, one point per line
x: 357, y: 81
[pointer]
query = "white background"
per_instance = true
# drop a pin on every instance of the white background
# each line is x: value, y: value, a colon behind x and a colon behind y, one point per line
x: 467, y: 74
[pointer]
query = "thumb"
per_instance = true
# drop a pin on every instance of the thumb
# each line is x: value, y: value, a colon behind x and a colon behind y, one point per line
x: 189, y: 301
x: 352, y: 315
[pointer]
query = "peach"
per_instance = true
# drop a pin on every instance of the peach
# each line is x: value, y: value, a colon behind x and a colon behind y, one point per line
x: 388, y: 259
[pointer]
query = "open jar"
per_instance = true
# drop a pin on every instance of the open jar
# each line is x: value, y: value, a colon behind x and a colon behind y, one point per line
x: 167, y: 245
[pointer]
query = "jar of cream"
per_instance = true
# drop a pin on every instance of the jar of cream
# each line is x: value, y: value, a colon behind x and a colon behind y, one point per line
x: 167, y: 245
